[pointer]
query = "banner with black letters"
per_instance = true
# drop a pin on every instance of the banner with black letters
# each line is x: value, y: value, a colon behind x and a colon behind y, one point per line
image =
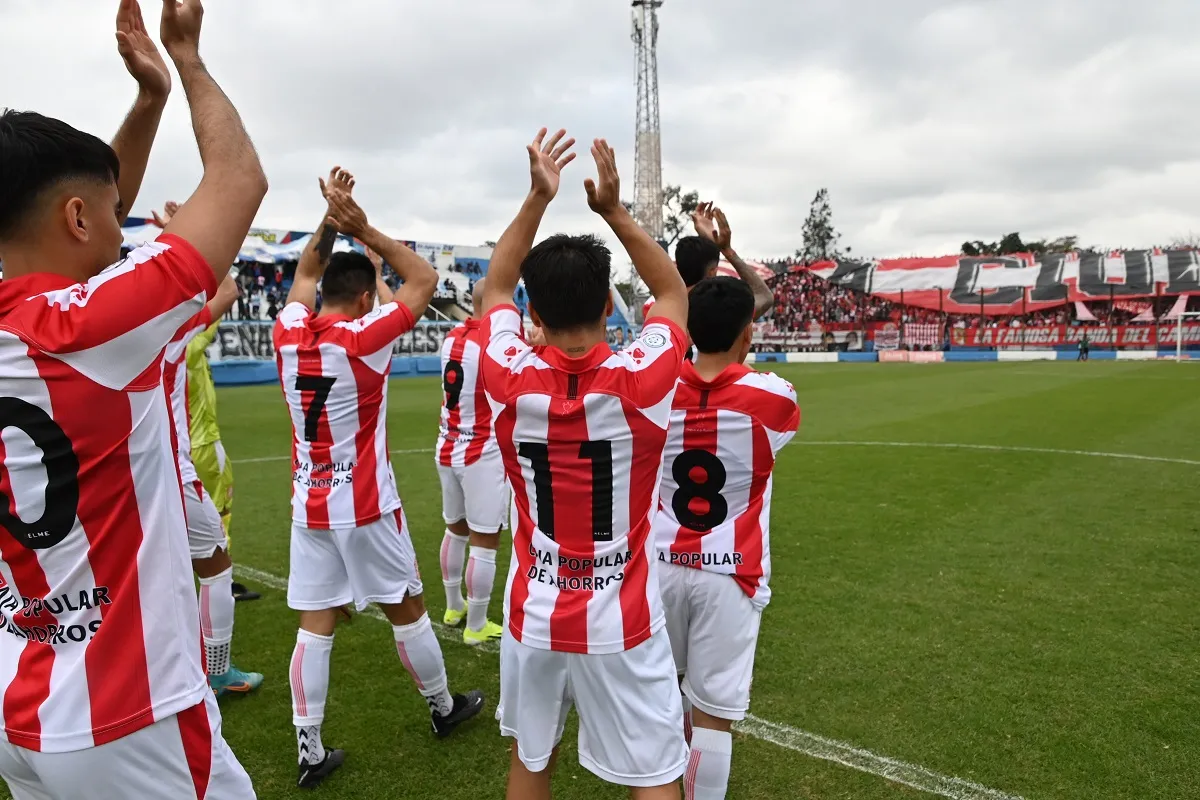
x: 1019, y: 284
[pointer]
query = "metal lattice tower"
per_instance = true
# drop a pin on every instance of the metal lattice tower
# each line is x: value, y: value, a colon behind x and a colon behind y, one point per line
x: 647, y: 182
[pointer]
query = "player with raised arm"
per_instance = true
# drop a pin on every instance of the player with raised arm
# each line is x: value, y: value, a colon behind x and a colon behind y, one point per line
x: 104, y: 694
x: 698, y: 257
x: 474, y: 489
x: 350, y: 540
x: 212, y: 465
x: 581, y: 430
x: 206, y: 534
x: 712, y: 530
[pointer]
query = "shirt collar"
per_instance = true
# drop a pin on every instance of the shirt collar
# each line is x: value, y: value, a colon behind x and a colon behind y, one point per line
x: 731, y: 374
x: 17, y: 290
x: 590, y: 360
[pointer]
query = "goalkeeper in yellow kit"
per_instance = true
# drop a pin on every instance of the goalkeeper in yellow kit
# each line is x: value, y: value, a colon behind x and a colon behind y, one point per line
x: 212, y: 465
x: 208, y: 455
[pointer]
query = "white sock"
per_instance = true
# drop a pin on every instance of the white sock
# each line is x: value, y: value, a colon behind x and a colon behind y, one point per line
x: 421, y: 655
x: 310, y: 686
x: 454, y: 551
x: 216, y: 620
x: 707, y: 776
x: 481, y: 575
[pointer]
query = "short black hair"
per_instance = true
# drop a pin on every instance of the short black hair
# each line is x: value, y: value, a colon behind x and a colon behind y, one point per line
x: 695, y: 256
x: 347, y: 277
x: 719, y: 309
x: 567, y: 280
x: 38, y: 152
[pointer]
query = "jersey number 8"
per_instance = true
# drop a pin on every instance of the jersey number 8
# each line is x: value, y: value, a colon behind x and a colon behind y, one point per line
x: 698, y: 504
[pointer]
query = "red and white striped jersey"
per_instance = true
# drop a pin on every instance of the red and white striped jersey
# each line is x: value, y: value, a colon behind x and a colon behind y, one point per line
x: 334, y: 372
x: 714, y: 507
x: 175, y: 382
x: 582, y: 440
x: 690, y: 354
x: 99, y: 627
x: 465, y: 433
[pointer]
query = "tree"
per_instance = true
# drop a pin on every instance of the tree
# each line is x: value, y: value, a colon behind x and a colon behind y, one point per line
x: 1011, y: 243
x: 678, y: 206
x: 1189, y: 242
x: 821, y: 239
x: 490, y: 243
x: 633, y: 300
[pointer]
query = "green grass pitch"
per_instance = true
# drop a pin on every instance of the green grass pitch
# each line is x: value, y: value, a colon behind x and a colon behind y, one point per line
x: 1027, y: 621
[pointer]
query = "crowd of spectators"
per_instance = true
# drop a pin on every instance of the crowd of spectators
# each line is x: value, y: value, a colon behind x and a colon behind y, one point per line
x: 802, y: 299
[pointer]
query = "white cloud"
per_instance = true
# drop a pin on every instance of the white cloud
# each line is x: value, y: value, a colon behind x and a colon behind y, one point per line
x: 930, y: 122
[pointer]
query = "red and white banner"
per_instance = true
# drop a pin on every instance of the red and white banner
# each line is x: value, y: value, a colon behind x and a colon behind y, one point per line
x: 1052, y: 335
x: 1018, y: 284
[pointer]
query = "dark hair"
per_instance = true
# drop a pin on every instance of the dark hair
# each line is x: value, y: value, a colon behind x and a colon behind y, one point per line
x: 347, y: 277
x: 38, y: 152
x: 719, y: 309
x: 695, y: 256
x: 567, y: 280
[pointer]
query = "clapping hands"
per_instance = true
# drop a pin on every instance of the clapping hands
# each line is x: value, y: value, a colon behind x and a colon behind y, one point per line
x: 343, y: 210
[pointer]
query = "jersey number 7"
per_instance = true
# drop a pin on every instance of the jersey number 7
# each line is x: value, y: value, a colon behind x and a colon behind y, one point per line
x: 320, y: 386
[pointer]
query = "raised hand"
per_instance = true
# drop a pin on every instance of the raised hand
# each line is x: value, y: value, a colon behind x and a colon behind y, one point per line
x: 345, y: 212
x: 702, y: 221
x: 376, y: 260
x: 546, y: 162
x: 604, y: 194
x: 340, y: 180
x: 180, y: 28
x: 168, y: 212
x: 137, y: 49
x: 724, y: 237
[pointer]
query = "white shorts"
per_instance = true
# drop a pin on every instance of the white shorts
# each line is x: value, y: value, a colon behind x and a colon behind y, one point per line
x: 181, y: 756
x: 206, y: 534
x: 372, y: 563
x: 713, y: 628
x: 477, y: 493
x: 630, y: 713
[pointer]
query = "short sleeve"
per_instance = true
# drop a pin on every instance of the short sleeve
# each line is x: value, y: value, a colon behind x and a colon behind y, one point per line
x: 293, y: 315
x: 379, y: 330
x: 654, y: 360
x: 114, y: 327
x: 196, y: 325
x: 503, y: 344
x: 777, y: 409
x: 177, y: 350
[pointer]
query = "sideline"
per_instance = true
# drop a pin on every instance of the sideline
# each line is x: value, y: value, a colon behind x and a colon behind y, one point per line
x: 1005, y: 449
x: 785, y: 736
x: 1001, y: 448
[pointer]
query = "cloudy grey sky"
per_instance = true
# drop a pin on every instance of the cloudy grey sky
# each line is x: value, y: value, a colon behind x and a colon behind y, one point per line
x: 930, y: 121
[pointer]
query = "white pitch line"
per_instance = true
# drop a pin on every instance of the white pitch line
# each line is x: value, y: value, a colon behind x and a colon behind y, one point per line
x: 1007, y: 449
x: 445, y: 633
x: 784, y: 736
x: 942, y: 445
x: 266, y: 459
x: 848, y: 755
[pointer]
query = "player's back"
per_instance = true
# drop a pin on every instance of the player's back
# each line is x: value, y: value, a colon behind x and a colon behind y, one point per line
x: 715, y: 497
x: 582, y: 440
x: 175, y: 381
x: 334, y: 372
x: 465, y: 433
x: 99, y: 628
